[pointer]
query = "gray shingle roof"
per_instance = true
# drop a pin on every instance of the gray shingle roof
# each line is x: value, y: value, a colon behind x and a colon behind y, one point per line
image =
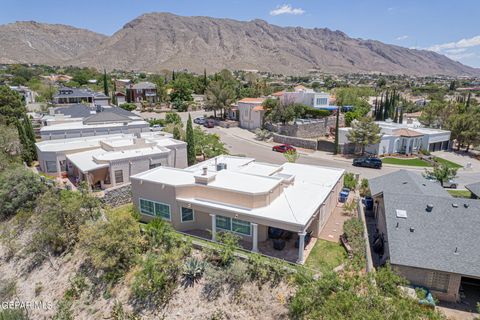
x: 83, y: 111
x: 106, y: 116
x: 406, y: 182
x: 474, y: 188
x: 437, y: 234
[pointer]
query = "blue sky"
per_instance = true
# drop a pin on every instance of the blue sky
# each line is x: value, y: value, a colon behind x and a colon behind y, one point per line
x: 449, y: 27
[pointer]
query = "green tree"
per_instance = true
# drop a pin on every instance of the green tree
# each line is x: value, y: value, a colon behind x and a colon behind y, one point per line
x: 174, y: 118
x: 282, y: 113
x: 181, y: 95
x: 441, y: 172
x: 337, y: 125
x: 219, y: 96
x: 364, y: 132
x: 19, y: 189
x: 105, y: 83
x: 10, y: 146
x: 11, y: 105
x: 59, y: 218
x: 112, y: 244
x: 190, y: 140
x: 176, y: 133
x: 208, y: 145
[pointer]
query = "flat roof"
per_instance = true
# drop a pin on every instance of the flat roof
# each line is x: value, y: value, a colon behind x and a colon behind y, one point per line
x: 296, y: 204
x: 84, y: 160
x: 115, y: 140
x: 125, y: 154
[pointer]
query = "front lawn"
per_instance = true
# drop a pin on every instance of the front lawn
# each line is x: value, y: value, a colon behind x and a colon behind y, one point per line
x: 414, y: 162
x: 325, y: 256
x: 460, y: 193
x: 447, y: 162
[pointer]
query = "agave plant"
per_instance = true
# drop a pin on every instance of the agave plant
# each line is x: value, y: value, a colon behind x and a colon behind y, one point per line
x: 193, y: 270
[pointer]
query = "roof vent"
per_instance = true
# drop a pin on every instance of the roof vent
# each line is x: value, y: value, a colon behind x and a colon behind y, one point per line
x: 204, y: 169
x: 412, y: 229
x: 454, y: 205
x: 401, y: 214
x: 429, y: 207
x: 466, y: 205
x: 221, y: 166
x: 456, y: 251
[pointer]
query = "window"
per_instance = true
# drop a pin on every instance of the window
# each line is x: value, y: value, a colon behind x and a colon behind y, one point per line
x: 322, y: 101
x: 223, y: 222
x: 162, y: 210
x: 187, y: 214
x: 118, y: 176
x: 147, y: 207
x: 234, y: 225
x: 51, y: 166
x: 241, y: 226
x: 155, y: 209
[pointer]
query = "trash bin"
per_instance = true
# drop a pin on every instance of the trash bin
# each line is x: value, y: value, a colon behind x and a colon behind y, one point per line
x: 343, y: 196
x: 368, y: 203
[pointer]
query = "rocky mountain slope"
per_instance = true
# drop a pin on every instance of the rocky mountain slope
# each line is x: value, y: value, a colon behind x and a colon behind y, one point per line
x: 33, y: 42
x: 157, y: 41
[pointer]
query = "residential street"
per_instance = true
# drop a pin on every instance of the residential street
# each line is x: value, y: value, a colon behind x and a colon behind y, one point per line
x: 241, y: 142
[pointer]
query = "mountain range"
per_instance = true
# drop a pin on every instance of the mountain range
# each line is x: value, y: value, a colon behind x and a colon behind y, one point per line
x: 158, y: 41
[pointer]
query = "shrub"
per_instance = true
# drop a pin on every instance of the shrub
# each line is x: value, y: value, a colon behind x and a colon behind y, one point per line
x: 350, y: 181
x: 128, y: 106
x: 77, y: 286
x: 262, y: 134
x: 8, y: 289
x: 364, y: 188
x: 13, y: 314
x: 19, y: 188
x: 64, y: 310
x: 229, y: 243
x: 174, y: 118
x: 160, y: 236
x: 156, y: 280
x: 118, y: 313
x: 193, y: 270
x: 60, y: 216
x: 353, y: 230
x: 112, y: 244
x: 265, y: 270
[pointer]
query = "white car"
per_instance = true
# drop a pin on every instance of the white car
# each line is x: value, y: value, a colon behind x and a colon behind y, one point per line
x: 452, y: 184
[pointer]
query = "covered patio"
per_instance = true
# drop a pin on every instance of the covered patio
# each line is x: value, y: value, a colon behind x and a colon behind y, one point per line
x: 289, y: 253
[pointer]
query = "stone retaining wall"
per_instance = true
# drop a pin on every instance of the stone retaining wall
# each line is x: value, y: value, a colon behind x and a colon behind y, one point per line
x: 313, y: 144
x: 117, y: 196
x: 314, y: 129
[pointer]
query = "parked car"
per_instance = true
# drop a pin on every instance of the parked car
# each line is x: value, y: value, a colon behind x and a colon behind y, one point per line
x: 209, y: 123
x: 199, y: 120
x: 282, y: 148
x: 368, y: 163
x: 156, y: 127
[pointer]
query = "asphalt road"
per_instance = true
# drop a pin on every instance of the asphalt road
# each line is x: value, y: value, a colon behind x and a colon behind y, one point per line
x: 248, y: 148
x: 239, y: 146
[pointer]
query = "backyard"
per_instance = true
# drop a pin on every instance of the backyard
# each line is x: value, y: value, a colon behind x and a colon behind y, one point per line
x: 325, y: 256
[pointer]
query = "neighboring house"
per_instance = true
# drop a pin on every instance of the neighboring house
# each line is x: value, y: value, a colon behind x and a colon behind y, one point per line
x: 474, y: 189
x: 400, y: 139
x: 80, y: 120
x: 27, y: 94
x: 107, y: 161
x: 121, y: 84
x: 250, y: 112
x: 68, y: 95
x: 308, y: 97
x: 99, y: 124
x: 142, y: 91
x: 429, y: 237
x: 241, y: 195
x: 121, y: 98
x: 79, y: 112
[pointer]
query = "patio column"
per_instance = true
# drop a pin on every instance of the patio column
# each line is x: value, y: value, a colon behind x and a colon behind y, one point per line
x: 301, y: 246
x: 214, y: 227
x: 254, y: 237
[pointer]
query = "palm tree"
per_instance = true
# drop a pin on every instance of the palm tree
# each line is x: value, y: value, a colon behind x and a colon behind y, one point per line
x: 219, y: 96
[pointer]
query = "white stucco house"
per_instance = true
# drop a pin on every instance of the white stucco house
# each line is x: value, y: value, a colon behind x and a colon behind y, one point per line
x: 400, y: 138
x: 308, y: 97
x: 250, y: 112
